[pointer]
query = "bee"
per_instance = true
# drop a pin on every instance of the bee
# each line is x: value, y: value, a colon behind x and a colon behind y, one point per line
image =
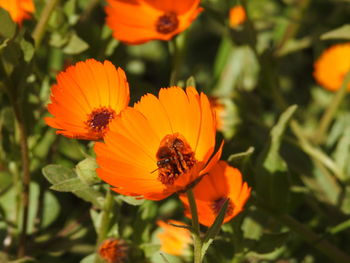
x: 174, y: 157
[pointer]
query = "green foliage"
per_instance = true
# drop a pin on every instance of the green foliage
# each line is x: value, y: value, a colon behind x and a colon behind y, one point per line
x: 272, y: 182
x: 66, y: 180
x: 342, y: 32
x: 300, y: 203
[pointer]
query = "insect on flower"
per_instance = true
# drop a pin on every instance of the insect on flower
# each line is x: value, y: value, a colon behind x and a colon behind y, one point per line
x: 160, y: 146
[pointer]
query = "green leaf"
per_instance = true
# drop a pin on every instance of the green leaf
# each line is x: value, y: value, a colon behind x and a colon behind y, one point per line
x: 5, y: 181
x: 86, y: 171
x: 66, y: 180
x: 149, y: 249
x: 27, y: 49
x: 342, y: 152
x: 241, y: 70
x: 273, y: 162
x: 75, y: 45
x: 242, y: 155
x: 69, y: 185
x: 55, y: 173
x: 215, y: 228
x: 51, y: 209
x: 8, y: 27
x: 342, y: 32
x: 89, y: 259
x: 130, y: 200
x: 340, y: 227
x: 272, y: 182
x: 191, y: 82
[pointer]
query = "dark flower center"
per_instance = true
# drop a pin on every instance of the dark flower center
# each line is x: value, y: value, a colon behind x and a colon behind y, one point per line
x: 219, y: 203
x: 174, y: 158
x: 167, y: 23
x: 99, y: 119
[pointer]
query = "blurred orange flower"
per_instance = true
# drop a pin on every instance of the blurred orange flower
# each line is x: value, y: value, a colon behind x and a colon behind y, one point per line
x: 223, y: 182
x: 86, y: 98
x: 174, y: 240
x: 139, y: 21
x: 113, y: 250
x: 219, y: 110
x: 237, y: 16
x: 331, y: 67
x: 160, y: 146
x: 18, y: 9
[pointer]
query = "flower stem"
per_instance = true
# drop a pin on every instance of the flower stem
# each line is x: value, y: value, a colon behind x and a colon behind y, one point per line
x: 331, y: 110
x: 177, y: 48
x: 39, y: 30
x: 105, y: 221
x: 26, y: 180
x: 195, y: 224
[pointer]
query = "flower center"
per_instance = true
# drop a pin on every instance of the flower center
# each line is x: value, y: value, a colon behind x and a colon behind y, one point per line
x: 99, y: 119
x: 219, y: 203
x: 167, y: 23
x: 174, y: 158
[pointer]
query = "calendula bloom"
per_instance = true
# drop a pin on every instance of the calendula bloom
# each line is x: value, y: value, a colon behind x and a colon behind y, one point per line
x: 222, y: 183
x: 332, y: 66
x: 138, y: 21
x: 160, y: 146
x: 18, y: 9
x: 86, y: 98
x: 237, y: 16
x: 174, y: 240
x: 113, y: 250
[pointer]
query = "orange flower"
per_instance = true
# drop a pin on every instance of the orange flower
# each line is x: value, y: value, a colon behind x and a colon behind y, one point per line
x: 237, y: 16
x: 86, y: 98
x: 138, y: 21
x: 113, y: 250
x: 219, y: 110
x: 18, y: 9
x: 331, y: 67
x: 160, y: 146
x: 174, y: 240
x: 223, y: 182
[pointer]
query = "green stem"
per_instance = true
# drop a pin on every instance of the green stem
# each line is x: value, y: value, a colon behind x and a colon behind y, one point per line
x: 177, y: 47
x: 39, y: 30
x: 26, y: 179
x: 25, y: 162
x: 196, y: 230
x: 331, y: 110
x: 105, y: 221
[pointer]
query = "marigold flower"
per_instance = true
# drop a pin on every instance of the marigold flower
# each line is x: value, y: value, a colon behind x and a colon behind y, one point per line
x: 18, y: 9
x: 174, y: 240
x: 332, y: 66
x: 139, y: 21
x: 237, y: 16
x: 86, y: 98
x: 113, y: 250
x: 223, y: 182
x: 160, y: 146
